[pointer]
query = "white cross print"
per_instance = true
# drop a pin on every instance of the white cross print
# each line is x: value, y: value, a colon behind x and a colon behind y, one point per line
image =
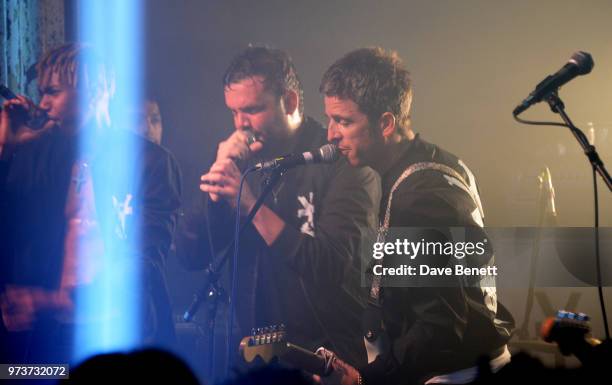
x: 308, y: 212
x: 122, y: 209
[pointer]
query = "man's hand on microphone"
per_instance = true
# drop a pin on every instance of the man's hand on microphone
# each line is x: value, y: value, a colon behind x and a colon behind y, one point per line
x: 223, y: 182
x: 223, y: 179
x: 237, y: 147
x: 13, y: 128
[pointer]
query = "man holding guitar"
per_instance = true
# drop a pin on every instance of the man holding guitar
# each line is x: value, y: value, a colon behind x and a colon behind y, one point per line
x: 413, y: 334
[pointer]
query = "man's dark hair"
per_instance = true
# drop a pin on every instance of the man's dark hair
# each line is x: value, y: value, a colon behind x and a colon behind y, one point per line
x: 76, y: 63
x: 78, y: 66
x: 273, y: 65
x: 375, y: 80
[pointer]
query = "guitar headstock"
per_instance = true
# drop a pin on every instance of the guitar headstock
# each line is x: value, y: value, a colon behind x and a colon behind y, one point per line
x: 268, y: 343
x: 571, y: 331
x: 565, y: 325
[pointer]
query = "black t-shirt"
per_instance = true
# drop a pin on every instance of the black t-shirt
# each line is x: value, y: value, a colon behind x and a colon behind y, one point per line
x: 34, y: 187
x: 308, y: 279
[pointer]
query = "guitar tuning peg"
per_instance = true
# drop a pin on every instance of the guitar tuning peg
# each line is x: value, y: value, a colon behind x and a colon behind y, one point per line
x: 571, y: 315
x: 281, y: 327
x: 253, y: 331
x: 273, y: 328
x: 561, y: 314
x: 582, y: 317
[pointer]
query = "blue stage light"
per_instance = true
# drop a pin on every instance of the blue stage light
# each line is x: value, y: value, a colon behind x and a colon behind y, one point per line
x: 108, y: 312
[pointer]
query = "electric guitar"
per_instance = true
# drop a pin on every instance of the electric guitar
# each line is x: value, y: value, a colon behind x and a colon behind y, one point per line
x: 270, y: 344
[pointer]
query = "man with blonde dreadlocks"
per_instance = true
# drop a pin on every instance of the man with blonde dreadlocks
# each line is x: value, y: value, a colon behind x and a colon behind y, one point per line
x: 58, y: 185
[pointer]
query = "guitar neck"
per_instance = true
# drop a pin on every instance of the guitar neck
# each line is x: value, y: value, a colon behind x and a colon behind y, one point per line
x: 305, y: 359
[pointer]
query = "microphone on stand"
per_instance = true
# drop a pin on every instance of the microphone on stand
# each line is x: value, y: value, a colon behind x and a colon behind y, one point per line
x: 327, y: 153
x: 581, y: 63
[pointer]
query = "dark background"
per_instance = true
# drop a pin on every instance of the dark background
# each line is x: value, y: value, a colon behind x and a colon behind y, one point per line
x: 472, y: 61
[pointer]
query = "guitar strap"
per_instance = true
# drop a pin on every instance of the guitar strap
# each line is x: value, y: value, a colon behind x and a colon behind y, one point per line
x: 375, y: 338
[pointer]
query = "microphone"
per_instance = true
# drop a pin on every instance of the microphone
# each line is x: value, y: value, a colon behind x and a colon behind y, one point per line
x: 251, y: 137
x: 34, y: 119
x: 581, y: 63
x: 328, y: 153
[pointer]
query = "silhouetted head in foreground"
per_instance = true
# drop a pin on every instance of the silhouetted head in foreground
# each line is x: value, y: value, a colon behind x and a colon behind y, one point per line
x: 143, y: 366
x: 272, y: 375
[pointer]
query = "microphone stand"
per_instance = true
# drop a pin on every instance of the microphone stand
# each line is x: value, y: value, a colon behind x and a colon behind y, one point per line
x: 211, y: 291
x: 557, y: 106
